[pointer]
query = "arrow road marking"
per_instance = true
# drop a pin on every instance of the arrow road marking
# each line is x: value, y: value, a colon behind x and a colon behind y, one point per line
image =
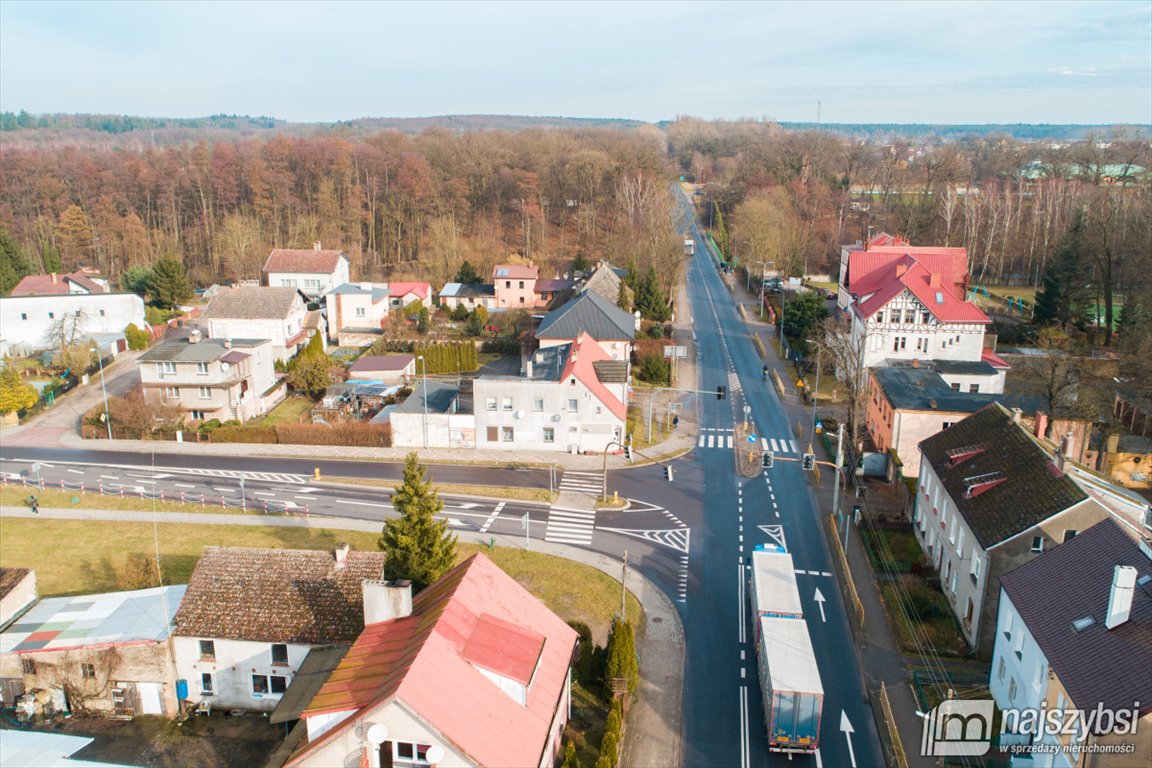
x: 819, y: 598
x: 846, y: 727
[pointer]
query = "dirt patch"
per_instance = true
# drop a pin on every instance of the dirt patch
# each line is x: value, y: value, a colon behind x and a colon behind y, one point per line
x: 215, y: 741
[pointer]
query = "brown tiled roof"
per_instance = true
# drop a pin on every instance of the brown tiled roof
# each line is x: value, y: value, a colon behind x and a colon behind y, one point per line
x: 55, y: 285
x: 1031, y: 491
x: 302, y: 260
x: 251, y: 302
x: 10, y: 578
x: 276, y: 595
x: 1095, y: 664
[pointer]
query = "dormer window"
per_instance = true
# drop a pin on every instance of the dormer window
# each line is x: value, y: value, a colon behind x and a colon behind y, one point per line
x: 939, y: 297
x: 959, y: 455
x: 978, y: 484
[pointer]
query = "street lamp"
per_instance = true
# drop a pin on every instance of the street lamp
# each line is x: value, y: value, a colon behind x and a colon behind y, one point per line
x: 104, y: 389
x: 424, y: 386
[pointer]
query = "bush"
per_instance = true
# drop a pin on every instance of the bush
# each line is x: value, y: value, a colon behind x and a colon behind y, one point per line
x: 230, y: 434
x: 504, y: 345
x: 210, y: 425
x: 654, y: 369
x: 927, y: 603
x: 137, y: 338
x: 656, y: 331
x: 608, y: 749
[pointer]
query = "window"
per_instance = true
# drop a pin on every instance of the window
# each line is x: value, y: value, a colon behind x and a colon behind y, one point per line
x: 1069, y: 534
x: 205, y: 393
x: 960, y: 544
x: 279, y: 653
x: 23, y: 315
x: 28, y: 666
x: 263, y: 685
x: 968, y: 612
x: 952, y: 585
x: 506, y: 404
x: 1000, y: 669
x: 956, y: 387
x: 171, y: 392
x: 409, y: 753
x: 198, y: 415
x: 506, y: 434
x: 51, y: 315
x: 1009, y: 620
x: 521, y: 284
x: 201, y: 369
x: 924, y: 318
x: 946, y: 424
x: 507, y: 283
x: 206, y: 687
x: 973, y: 387
x: 977, y: 564
x: 549, y: 435
x: 538, y: 405
x: 880, y: 316
x: 899, y: 343
x: 492, y: 434
x: 288, y: 282
x: 521, y: 299
x: 1037, y: 543
x: 359, y: 311
x: 922, y: 344
x: 87, y: 671
x: 208, y: 650
x: 573, y: 405
x: 910, y: 316
x: 311, y: 283
x: 165, y: 367
x: 490, y: 404
x: 1012, y: 689
x: 101, y: 313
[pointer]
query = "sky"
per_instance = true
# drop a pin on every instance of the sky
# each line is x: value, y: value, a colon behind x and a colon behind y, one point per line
x: 854, y: 62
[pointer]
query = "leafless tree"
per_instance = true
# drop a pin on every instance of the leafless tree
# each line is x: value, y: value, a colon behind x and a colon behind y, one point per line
x: 846, y: 352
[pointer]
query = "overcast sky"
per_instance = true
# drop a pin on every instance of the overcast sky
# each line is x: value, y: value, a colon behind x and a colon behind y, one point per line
x: 870, y: 62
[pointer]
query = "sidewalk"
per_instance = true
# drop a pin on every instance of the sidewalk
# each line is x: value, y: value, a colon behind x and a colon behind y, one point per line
x: 655, y: 715
x: 880, y: 657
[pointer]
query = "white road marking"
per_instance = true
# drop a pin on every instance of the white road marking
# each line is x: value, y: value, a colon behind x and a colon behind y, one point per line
x: 492, y: 517
x: 360, y: 503
x: 183, y: 485
x: 75, y: 471
x: 225, y: 490
x: 109, y: 477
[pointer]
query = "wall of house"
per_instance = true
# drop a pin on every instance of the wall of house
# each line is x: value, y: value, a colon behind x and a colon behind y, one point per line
x: 121, y: 665
x: 279, y: 330
x: 455, y: 430
x: 346, y: 747
x: 353, y: 310
x: 514, y: 293
x: 986, y: 384
x: 22, y: 595
x: 618, y: 349
x: 1019, y: 673
x: 223, y: 398
x: 312, y: 283
x: 531, y: 407
x: 911, y: 427
x: 235, y: 663
x: 916, y: 340
x: 26, y: 321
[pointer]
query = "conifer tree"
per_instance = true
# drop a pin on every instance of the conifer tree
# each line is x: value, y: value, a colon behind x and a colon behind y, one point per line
x: 622, y: 660
x: 417, y: 546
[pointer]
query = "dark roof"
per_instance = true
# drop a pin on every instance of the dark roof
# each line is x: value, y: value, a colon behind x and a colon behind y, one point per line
x: 203, y: 351
x: 611, y: 371
x: 1029, y: 491
x: 956, y: 367
x: 253, y: 303
x: 276, y: 595
x: 552, y: 286
x: 548, y: 362
x: 382, y: 363
x: 440, y: 398
x: 1074, y: 580
x: 307, y: 681
x: 302, y: 260
x: 379, y: 292
x: 10, y: 578
x: 922, y: 389
x: 590, y: 313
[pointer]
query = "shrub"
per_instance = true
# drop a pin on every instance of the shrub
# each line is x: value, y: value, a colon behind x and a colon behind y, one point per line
x: 927, y: 603
x: 654, y: 369
x: 622, y: 661
x: 209, y: 425
x: 608, y: 749
x: 231, y: 434
x: 656, y: 331
x: 137, y: 338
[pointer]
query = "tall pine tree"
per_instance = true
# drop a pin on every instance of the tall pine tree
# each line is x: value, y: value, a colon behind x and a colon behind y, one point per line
x: 417, y: 546
x: 169, y: 286
x: 1066, y: 279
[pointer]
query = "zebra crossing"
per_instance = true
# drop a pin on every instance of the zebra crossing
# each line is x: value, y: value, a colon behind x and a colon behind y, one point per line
x: 733, y: 383
x: 779, y: 446
x: 582, y: 482
x: 714, y: 438
x: 570, y: 526
x: 275, y: 477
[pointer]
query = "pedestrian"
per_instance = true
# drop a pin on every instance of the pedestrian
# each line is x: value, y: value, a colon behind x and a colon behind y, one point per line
x: 35, y: 504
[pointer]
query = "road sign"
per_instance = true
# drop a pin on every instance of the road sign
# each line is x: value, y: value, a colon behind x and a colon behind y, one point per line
x: 747, y: 410
x: 753, y: 439
x: 800, y: 383
x: 675, y: 351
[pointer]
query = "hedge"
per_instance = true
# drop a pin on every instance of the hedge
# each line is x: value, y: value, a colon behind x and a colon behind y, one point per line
x: 360, y: 435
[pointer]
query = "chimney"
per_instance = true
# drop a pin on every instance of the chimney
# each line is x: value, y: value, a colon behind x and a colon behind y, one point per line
x: 1120, y: 596
x: 227, y: 343
x: 53, y: 278
x: 1041, y: 429
x: 194, y: 336
x: 316, y: 246
x: 386, y: 600
x: 934, y: 280
x: 365, y: 286
x: 915, y: 362
x: 1066, y: 444
x: 528, y: 369
x: 342, y: 555
x: 901, y: 269
x: 1016, y: 415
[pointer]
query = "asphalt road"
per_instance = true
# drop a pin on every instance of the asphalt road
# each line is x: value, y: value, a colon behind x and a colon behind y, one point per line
x: 723, y: 715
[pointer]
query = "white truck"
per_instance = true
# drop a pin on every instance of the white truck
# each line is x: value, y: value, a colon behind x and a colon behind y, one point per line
x: 689, y: 246
x: 789, y: 677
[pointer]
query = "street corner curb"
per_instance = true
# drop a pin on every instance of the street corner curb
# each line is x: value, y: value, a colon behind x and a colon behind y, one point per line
x: 627, y: 505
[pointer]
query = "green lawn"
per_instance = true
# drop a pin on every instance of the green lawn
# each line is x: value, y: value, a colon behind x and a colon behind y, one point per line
x: 295, y: 409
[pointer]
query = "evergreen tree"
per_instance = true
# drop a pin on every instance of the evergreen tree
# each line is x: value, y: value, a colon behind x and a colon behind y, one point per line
x: 169, y: 286
x: 650, y: 300
x: 13, y: 265
x: 467, y: 275
x: 417, y: 546
x: 423, y: 318
x: 580, y: 263
x: 622, y: 660
x: 136, y: 279
x: 804, y: 313
x: 310, y: 371
x: 570, y: 759
x: 1065, y: 289
x: 623, y: 297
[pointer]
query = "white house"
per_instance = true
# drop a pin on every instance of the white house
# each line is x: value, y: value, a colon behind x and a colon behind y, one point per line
x: 255, y: 312
x: 250, y: 616
x: 356, y: 311
x: 468, y: 296
x: 211, y: 378
x: 313, y: 272
x: 28, y: 323
x: 573, y: 398
x: 1074, y: 632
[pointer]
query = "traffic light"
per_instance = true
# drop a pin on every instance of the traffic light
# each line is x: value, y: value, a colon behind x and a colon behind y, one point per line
x: 668, y: 472
x: 628, y: 452
x: 767, y: 459
x: 809, y: 462
x: 720, y: 392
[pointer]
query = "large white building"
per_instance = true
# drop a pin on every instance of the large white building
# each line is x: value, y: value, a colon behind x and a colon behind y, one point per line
x: 28, y: 324
x: 256, y: 312
x: 313, y: 272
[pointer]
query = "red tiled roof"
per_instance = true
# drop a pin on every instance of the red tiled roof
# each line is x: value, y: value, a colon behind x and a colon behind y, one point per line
x: 909, y: 274
x: 551, y: 286
x: 55, y: 285
x: 403, y: 289
x: 994, y: 359
x: 504, y: 648
x: 419, y: 660
x: 584, y: 353
x: 867, y: 270
x: 515, y: 272
x: 302, y: 260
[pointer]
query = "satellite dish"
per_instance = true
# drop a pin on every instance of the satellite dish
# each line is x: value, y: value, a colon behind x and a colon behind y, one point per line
x: 434, y: 754
x: 377, y: 734
x: 225, y: 367
x: 519, y: 414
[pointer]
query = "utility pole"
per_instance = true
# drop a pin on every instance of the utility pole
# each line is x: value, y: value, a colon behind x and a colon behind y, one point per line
x: 836, y: 493
x: 623, y: 591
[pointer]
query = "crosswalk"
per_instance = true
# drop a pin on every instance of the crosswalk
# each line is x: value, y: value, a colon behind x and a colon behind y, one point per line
x: 582, y: 482
x: 570, y: 526
x: 276, y: 477
x: 714, y: 438
x: 779, y: 446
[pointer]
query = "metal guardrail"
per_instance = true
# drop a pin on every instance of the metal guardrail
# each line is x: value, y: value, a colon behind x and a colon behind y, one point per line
x: 893, y: 733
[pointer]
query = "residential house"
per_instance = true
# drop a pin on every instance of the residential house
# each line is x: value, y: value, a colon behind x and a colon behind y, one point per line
x: 907, y: 403
x: 251, y: 615
x: 515, y: 285
x: 108, y: 652
x: 356, y: 312
x: 313, y: 272
x: 45, y: 748
x: 60, y: 285
x: 549, y: 291
x: 211, y: 378
x: 606, y: 280
x: 1074, y: 632
x: 400, y: 295
x: 17, y: 593
x: 472, y: 671
x: 611, y: 327
x: 430, y: 417
x: 32, y: 323
x: 573, y: 398
x: 991, y: 498
x: 257, y: 312
x: 390, y: 369
x: 468, y: 296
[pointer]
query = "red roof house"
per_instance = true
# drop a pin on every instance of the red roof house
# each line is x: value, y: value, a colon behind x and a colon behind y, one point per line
x: 58, y: 285
x: 471, y: 671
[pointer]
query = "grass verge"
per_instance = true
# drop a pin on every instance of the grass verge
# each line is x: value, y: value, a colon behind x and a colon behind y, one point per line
x: 291, y: 411
x: 14, y: 496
